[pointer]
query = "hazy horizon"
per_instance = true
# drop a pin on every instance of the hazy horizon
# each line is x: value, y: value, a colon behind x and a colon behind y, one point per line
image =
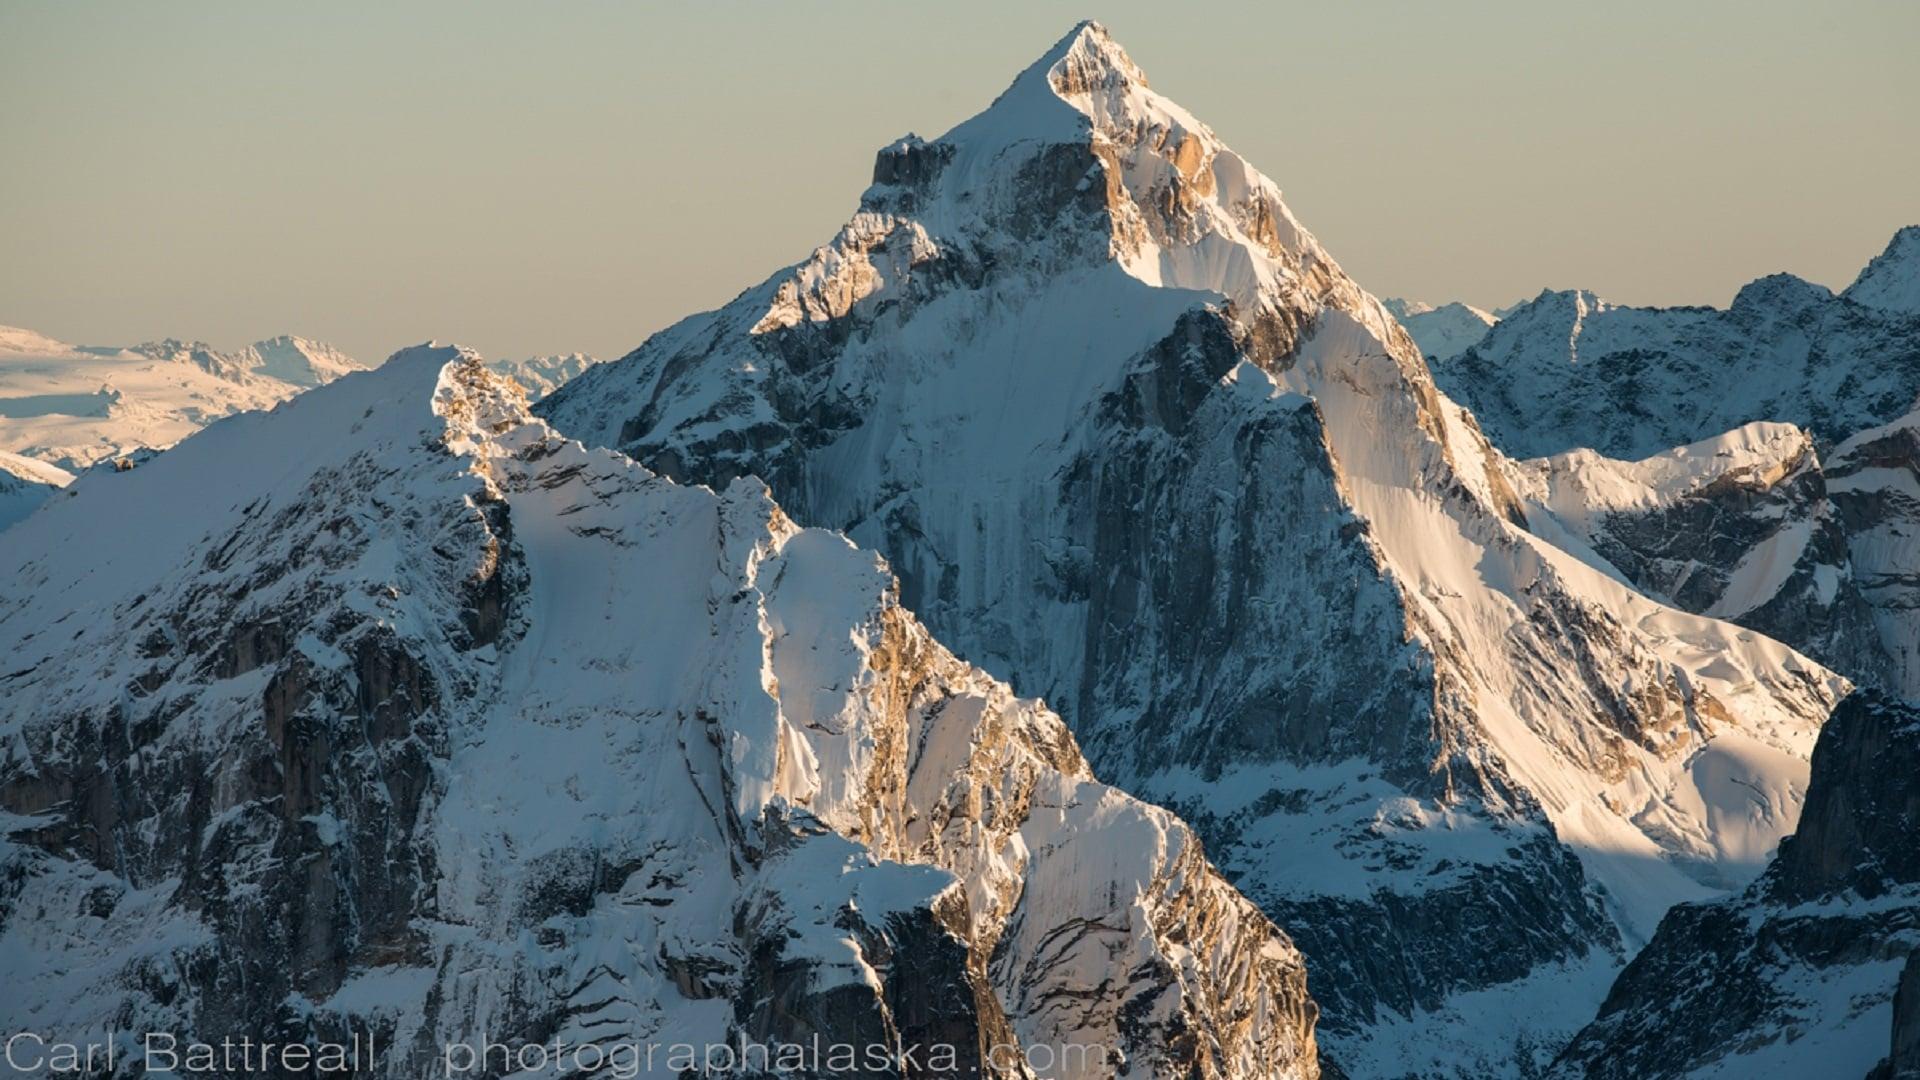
x: 545, y: 180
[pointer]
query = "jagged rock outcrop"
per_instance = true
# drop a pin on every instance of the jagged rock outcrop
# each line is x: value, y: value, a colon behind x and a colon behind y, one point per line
x: 401, y: 716
x: 1134, y: 441
x: 1807, y: 972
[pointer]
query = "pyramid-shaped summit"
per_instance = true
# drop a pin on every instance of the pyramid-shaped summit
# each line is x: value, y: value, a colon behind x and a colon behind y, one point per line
x: 1080, y: 161
x: 1133, y: 441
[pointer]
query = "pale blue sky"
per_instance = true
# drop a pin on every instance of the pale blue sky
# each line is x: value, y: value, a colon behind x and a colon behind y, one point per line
x: 547, y: 177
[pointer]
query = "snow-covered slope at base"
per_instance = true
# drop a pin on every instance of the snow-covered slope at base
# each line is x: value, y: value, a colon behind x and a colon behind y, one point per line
x: 1797, y: 975
x: 1569, y: 370
x: 403, y: 715
x: 25, y: 484
x: 542, y: 375
x: 1134, y: 441
x: 72, y: 406
x: 1443, y: 332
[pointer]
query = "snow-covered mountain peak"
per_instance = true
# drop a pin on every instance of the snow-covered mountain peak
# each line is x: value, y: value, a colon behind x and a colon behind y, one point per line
x: 19, y: 341
x: 1080, y: 163
x: 1088, y: 59
x: 1892, y: 280
x: 1562, y: 303
x: 726, y: 787
x: 1567, y: 369
x: 1081, y: 73
x: 1780, y: 296
x: 1078, y: 373
x: 1441, y: 332
x: 542, y: 375
x: 301, y: 361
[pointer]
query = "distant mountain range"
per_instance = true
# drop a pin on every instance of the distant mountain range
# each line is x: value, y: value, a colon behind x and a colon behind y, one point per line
x: 67, y: 408
x: 74, y: 406
x: 1441, y: 332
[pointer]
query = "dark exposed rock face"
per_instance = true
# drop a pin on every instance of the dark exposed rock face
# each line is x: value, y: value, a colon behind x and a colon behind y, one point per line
x: 289, y: 830
x: 1799, y: 974
x: 1874, y: 479
x: 1862, y: 814
x: 1903, y: 1060
x: 1402, y: 953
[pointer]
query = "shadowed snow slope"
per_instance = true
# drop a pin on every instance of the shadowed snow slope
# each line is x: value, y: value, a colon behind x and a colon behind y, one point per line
x: 1134, y: 442
x: 25, y: 484
x: 1797, y: 975
x: 401, y: 714
x: 1568, y: 369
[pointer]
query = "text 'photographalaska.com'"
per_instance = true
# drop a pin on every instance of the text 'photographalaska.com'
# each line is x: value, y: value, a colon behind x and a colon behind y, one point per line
x: 35, y: 1053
